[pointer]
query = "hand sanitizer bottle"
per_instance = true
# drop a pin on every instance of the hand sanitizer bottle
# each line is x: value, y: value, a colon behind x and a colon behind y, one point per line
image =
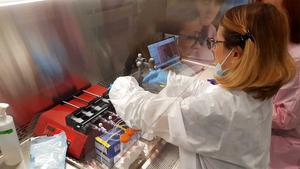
x: 9, y: 142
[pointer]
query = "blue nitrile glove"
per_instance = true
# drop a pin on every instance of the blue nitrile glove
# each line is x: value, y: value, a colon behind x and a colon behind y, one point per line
x: 212, y: 81
x: 156, y: 77
x: 109, y: 86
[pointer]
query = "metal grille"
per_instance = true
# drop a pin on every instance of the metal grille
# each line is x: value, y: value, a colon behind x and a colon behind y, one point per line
x: 177, y: 165
x: 167, y: 159
x: 26, y: 131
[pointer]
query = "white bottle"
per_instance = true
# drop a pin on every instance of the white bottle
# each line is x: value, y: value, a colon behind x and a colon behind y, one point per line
x: 9, y: 142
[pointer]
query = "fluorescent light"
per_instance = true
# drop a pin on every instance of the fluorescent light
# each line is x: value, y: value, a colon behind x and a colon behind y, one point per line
x: 16, y: 2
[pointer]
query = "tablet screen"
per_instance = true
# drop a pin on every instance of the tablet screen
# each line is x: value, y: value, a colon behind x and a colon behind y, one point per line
x: 164, y: 52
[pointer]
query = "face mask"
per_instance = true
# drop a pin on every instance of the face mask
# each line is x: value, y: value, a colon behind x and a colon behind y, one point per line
x: 218, y: 70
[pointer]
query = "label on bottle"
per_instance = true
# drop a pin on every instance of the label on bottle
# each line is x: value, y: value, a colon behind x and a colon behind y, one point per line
x: 9, y: 131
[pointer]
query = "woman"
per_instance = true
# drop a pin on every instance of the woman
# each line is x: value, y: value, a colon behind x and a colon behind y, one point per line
x: 285, y: 142
x: 201, y: 28
x: 228, y: 125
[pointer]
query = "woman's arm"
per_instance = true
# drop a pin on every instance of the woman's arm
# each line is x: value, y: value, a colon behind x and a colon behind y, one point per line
x: 195, y: 123
x: 286, y: 106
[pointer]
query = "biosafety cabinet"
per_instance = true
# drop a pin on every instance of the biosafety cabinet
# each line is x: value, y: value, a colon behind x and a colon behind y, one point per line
x: 58, y: 58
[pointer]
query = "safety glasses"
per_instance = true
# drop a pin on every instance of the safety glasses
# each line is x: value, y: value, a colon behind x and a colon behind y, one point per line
x: 211, y: 43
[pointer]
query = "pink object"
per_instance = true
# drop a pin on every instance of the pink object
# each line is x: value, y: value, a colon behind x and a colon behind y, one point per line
x: 285, y: 148
x: 284, y: 153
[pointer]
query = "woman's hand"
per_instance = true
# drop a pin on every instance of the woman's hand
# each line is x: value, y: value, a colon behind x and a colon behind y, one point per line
x: 156, y: 77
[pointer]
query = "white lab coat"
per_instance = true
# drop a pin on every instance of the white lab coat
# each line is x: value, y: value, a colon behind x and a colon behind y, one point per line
x: 214, y: 128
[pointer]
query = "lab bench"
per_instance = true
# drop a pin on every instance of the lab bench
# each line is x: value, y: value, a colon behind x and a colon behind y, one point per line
x: 157, y: 154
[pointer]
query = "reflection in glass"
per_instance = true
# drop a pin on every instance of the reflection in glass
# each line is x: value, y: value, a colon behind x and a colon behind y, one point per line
x: 52, y: 48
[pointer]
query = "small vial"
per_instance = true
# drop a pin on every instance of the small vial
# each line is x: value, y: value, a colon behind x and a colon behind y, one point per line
x: 124, y: 139
x: 130, y: 132
x: 109, y: 117
x: 103, y: 129
x: 103, y: 119
x: 93, y: 126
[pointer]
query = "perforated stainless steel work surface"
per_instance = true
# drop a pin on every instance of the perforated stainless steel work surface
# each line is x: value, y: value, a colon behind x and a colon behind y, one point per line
x: 168, y: 158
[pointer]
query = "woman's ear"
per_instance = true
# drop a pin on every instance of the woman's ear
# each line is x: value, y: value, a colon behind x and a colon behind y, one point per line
x: 237, y: 53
